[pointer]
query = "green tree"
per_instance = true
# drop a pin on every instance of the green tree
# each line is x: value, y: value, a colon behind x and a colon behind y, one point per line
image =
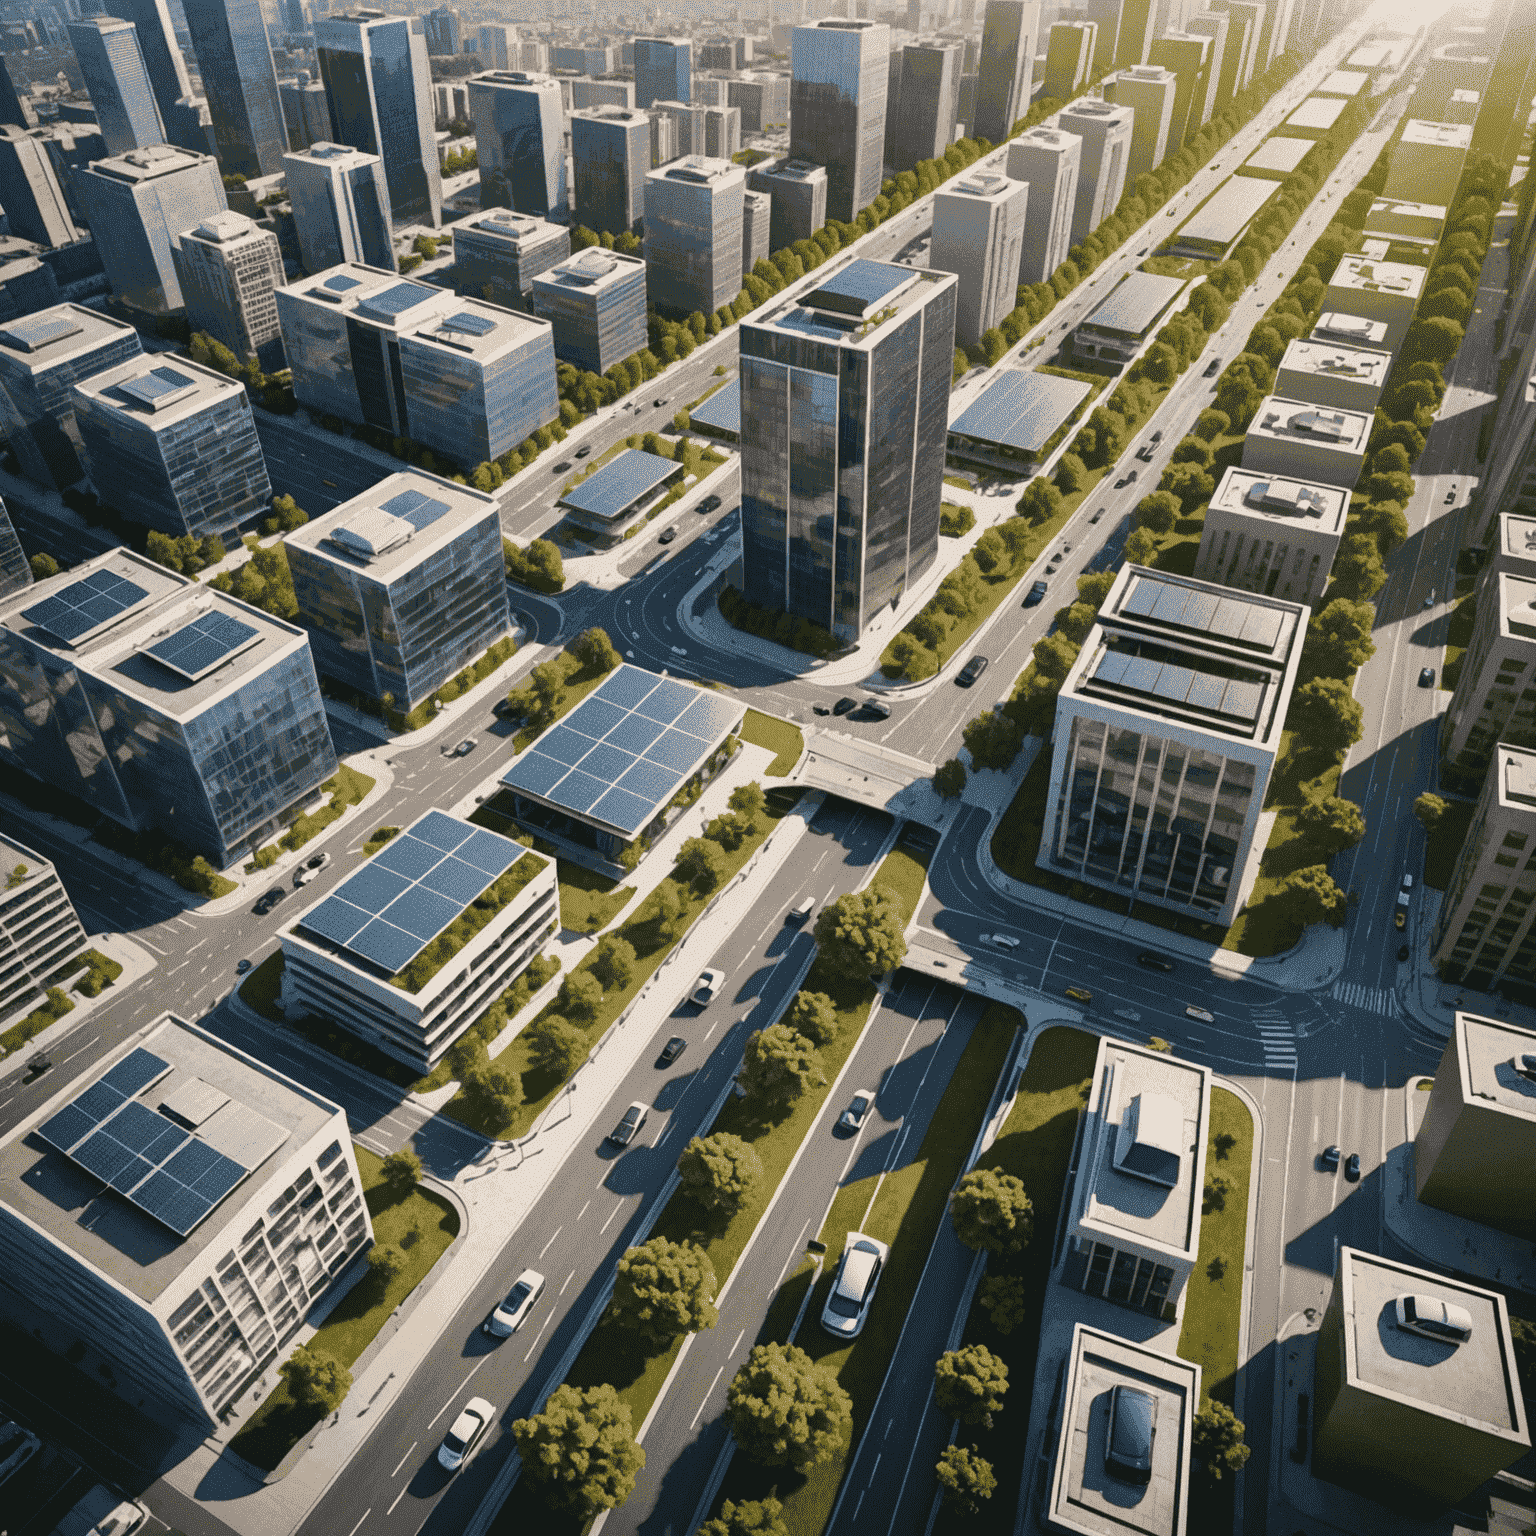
x: 965, y: 1478
x: 1040, y: 502
x: 555, y: 1045
x: 787, y: 1411
x: 1429, y: 808
x: 1054, y: 655
x: 993, y: 739
x: 1357, y: 572
x: 1157, y: 511
x: 581, y: 995
x: 315, y: 1379
x: 779, y: 1067
x: 43, y: 566
x: 595, y: 651
x: 1093, y: 586
x: 670, y: 909
x: 949, y: 779
x: 1191, y: 483
x: 400, y: 1172
x: 701, y: 863
x: 1211, y: 423
x: 749, y: 800
x: 1191, y: 450
x: 582, y: 1449
x: 720, y: 1171
x: 751, y: 1517
x: 814, y: 1015
x: 385, y: 1263
x: 1332, y: 822
x: 613, y: 962
x: 1310, y: 896
x: 1326, y: 715
x: 1140, y: 549
x: 969, y: 1384
x: 493, y: 1095
x: 991, y: 1210
x: 990, y: 553
x: 1339, y: 639
x: 1218, y: 1440
x: 1385, y: 522
x: 663, y: 1289
x: 861, y: 933
x: 1002, y: 1298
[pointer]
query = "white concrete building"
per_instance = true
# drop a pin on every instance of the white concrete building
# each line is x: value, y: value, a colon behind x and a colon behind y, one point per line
x: 1350, y: 331
x: 1427, y: 161
x: 1309, y: 442
x: 1148, y: 90
x: 1346, y: 378
x: 1050, y: 161
x: 1376, y: 290
x: 978, y: 234
x: 1106, y: 131
x: 229, y: 268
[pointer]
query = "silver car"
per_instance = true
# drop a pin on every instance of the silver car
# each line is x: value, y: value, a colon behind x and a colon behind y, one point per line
x: 465, y: 1434
x: 853, y: 1118
x: 858, y: 1277
x: 511, y: 1312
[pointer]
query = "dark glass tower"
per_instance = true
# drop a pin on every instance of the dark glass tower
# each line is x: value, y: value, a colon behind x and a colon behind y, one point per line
x: 841, y: 74
x: 1005, y: 71
x: 234, y: 59
x: 663, y: 70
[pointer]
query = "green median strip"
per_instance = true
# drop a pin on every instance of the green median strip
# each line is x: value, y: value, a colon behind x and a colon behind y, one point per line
x: 781, y: 736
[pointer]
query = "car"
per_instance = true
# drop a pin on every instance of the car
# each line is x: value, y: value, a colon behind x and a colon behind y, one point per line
x: 1450, y: 498
x: 1406, y: 883
x: 1212, y: 368
x: 1144, y: 453
x: 303, y: 875
x: 1004, y: 940
x: 1157, y: 437
x: 583, y: 451
x: 709, y: 504
x: 1052, y: 568
x: 801, y: 911
x: 667, y: 535
x: 1428, y: 1316
x: 1131, y: 1435
x: 465, y: 747
x: 845, y: 706
x: 1203, y: 1014
x: 1352, y: 1167
x: 1429, y: 602
x: 877, y: 709
x: 1524, y: 1066
x: 1079, y: 994
x: 1097, y: 515
x: 1154, y: 961
x: 319, y: 861
x: 1130, y: 478
x: 511, y: 1312
x: 631, y: 1123
x: 671, y: 1051
x: 1400, y: 919
x: 276, y: 894
x: 241, y: 967
x: 465, y: 1434
x: 1122, y: 482
x: 1402, y: 952
x: 852, y: 1118
x: 858, y: 1277
x: 971, y: 671
x: 660, y: 400
x: 1426, y: 677
x: 561, y: 467
x: 1143, y: 251
x: 1330, y: 1159
x: 820, y: 709
x: 705, y: 988
x: 1036, y: 595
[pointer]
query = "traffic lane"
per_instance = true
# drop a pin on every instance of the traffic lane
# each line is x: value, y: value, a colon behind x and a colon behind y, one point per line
x: 688, y: 1431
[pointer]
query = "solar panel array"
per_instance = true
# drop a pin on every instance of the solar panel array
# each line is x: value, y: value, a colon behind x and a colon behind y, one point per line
x: 859, y: 286
x: 208, y: 642
x: 1021, y: 410
x: 1175, y: 683
x: 621, y: 754
x: 408, y: 892
x: 34, y: 332
x: 1227, y: 213
x: 620, y: 483
x: 722, y: 410
x: 156, y: 385
x: 340, y: 283
x: 395, y: 300
x: 415, y: 508
x: 85, y: 605
x: 1224, y: 618
x: 161, y: 1168
x: 472, y: 325
x: 1135, y: 303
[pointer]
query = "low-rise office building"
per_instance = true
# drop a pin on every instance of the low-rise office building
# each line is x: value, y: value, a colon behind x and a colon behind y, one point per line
x: 401, y: 587
x: 1315, y: 117
x: 1427, y: 161
x: 1133, y: 1227
x: 498, y: 253
x: 40, y: 932
x: 173, y: 446
x: 622, y: 494
x: 179, y: 1212
x: 162, y: 703
x: 1213, y: 230
x: 1118, y: 329
x: 1009, y: 424
x: 1376, y: 290
x: 1406, y: 1418
x: 1274, y: 535
x: 1350, y: 331
x: 407, y: 952
x: 595, y: 300
x: 1307, y: 442
x: 1347, y: 83
x: 799, y: 193
x: 1345, y: 378
x: 1411, y: 230
x: 1276, y: 157
x: 1495, y: 696
x: 1478, y: 1137
x: 1167, y: 729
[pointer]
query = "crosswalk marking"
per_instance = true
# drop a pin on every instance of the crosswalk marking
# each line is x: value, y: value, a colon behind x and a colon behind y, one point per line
x: 1371, y: 999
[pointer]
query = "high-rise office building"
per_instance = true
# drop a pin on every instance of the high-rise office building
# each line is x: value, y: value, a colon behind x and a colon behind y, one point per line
x: 42, y: 357
x: 467, y: 379
x: 1105, y: 17
x: 229, y: 269
x: 837, y: 107
x: 663, y: 66
x: 172, y: 446
x: 135, y: 204
x: 978, y: 234
x: 1494, y: 701
x: 930, y: 102
x: 118, y: 82
x: 13, y: 109
x: 520, y: 140
x: 499, y: 45
x: 39, y: 932
x: 234, y: 60
x: 687, y: 119
x: 1068, y: 58
x: 15, y: 569
x: 756, y: 224
x: 762, y: 99
x: 497, y: 254
x: 1148, y: 90
x: 1139, y: 27
x: 167, y: 69
x: 534, y: 58
x: 1249, y: 14
x: 799, y: 193
x: 722, y: 132
x: 340, y: 207
x: 401, y: 587
x: 379, y: 86
x: 294, y: 19
x: 162, y: 702
x: 844, y: 409
x: 586, y: 94
x: 1050, y: 161
x: 306, y: 113
x: 1004, y: 74
x: 1106, y: 131
x: 611, y: 158
x: 444, y: 30
x: 1227, y: 36
x: 595, y: 301
x: 583, y: 58
x: 1151, y: 794
x: 663, y: 137
x: 35, y: 195
x: 693, y: 217
x: 1188, y: 58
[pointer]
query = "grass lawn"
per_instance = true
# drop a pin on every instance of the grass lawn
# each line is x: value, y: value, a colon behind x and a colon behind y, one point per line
x: 693, y: 405
x: 1035, y: 1145
x: 781, y: 736
x: 904, y: 1210
x: 1445, y: 843
x: 50, y: 1011
x: 589, y: 901
x: 423, y: 1224
x: 902, y: 874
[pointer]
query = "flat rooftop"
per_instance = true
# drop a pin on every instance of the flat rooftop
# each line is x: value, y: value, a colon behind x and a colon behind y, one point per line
x: 1472, y: 1383
x: 1332, y: 361
x: 791, y: 170
x: 1299, y: 421
x: 624, y: 116
x: 1135, y: 304
x: 159, y: 390
x: 1344, y: 82
x: 208, y: 1106
x: 395, y: 525
x: 593, y: 270
x: 1350, y: 329
x: 1319, y: 113
x: 141, y: 165
x: 336, y: 156
x: 984, y: 184
x: 1021, y: 409
x: 1228, y: 212
x: 851, y: 305
x: 627, y: 478
x: 700, y: 171
x: 14, y: 854
x: 1279, y: 154
x: 1488, y: 1046
x: 175, y: 645
x: 1418, y: 130
x: 1298, y: 503
x: 59, y: 335
x: 1517, y: 604
x: 517, y: 231
x: 1517, y: 535
x: 1095, y: 115
x: 1083, y: 1497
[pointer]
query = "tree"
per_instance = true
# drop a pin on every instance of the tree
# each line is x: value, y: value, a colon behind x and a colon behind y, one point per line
x: 613, y: 962
x: 385, y: 1263
x: 910, y: 657
x: 1357, y: 569
x: 779, y: 1067
x: 1040, y: 502
x: 664, y: 1289
x: 1218, y: 1439
x: 965, y: 1478
x: 860, y: 933
x: 969, y: 1384
x: 701, y: 864
x: 1157, y: 511
x: 670, y: 909
x: 1310, y: 896
x: 993, y: 739
x: 1191, y: 450
x: 1003, y: 1298
x: 1385, y: 522
x: 1211, y: 423
x: 787, y: 1411
x: 555, y: 1045
x: 1191, y: 483
x: 991, y: 1210
x: 581, y: 995
x: 1332, y: 821
x: 1326, y: 715
x: 493, y: 1095
x: 582, y: 1448
x: 1429, y: 809
x: 1140, y: 548
x: 400, y: 1172
x: 1339, y: 639
x: 751, y: 1517
x: 749, y: 800
x: 814, y: 1015
x: 315, y: 1379
x: 595, y: 651
x: 719, y: 1171
x: 43, y: 566
x: 949, y: 779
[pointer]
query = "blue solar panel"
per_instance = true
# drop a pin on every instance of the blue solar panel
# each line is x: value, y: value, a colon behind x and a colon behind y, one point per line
x: 197, y: 648
x: 595, y: 717
x: 132, y: 1172
x: 373, y: 889
x: 335, y: 920
x: 626, y: 686
x: 860, y: 285
x: 666, y: 702
x: 423, y: 913
x: 706, y: 717
x: 69, y: 1126
x: 607, y: 763
x: 1020, y: 410
x: 650, y: 780
x: 192, y: 1162
x: 98, y: 1101
x: 141, y: 1130
x: 85, y: 605
x: 102, y: 1156
x: 473, y: 325
x: 676, y: 749
x: 408, y: 856
x: 722, y: 411
x: 535, y: 773
x: 442, y: 832
x: 340, y: 284
x: 386, y: 946
x: 220, y: 1179
x: 456, y: 880
x: 135, y: 1072
x: 580, y: 791
x: 390, y: 302
x: 418, y: 510
x: 635, y: 733
x: 623, y: 809
x: 565, y: 745
x: 172, y: 1203
x: 488, y: 852
x: 620, y: 483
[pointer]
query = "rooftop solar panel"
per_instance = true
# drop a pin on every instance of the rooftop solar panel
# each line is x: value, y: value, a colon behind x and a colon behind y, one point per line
x: 35, y: 332
x: 472, y: 325
x: 621, y: 807
x: 535, y: 773
x: 1242, y: 700
x: 620, y: 483
x: 634, y: 733
x: 1206, y: 691
x: 666, y: 701
x: 395, y: 300
x: 84, y: 606
x: 204, y: 644
x: 624, y: 687
x: 340, y: 283
x: 67, y: 1128
x: 443, y: 832
x: 565, y: 745
x: 860, y: 285
x: 1135, y: 303
x: 1020, y: 410
x: 722, y: 411
x: 384, y: 945
x: 135, y: 1072
x: 157, y: 385
x: 419, y: 510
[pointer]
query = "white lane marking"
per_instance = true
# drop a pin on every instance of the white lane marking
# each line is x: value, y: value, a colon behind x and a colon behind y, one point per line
x: 614, y: 1212
x: 705, y: 1399
x: 145, y: 942
x: 399, y: 1496
x: 403, y: 1459
x: 545, y: 1248
x: 356, y: 1528
x: 568, y: 1279
x: 539, y: 1335
x: 583, y: 1210
x: 452, y: 1400
x: 88, y: 1044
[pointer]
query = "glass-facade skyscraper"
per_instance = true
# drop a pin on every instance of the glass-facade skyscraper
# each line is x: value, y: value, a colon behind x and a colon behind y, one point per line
x: 15, y: 571
x: 611, y: 154
x: 378, y: 82
x: 930, y: 101
x: 1005, y: 70
x: 402, y: 587
x: 163, y: 703
x: 340, y: 207
x: 118, y: 82
x: 234, y: 59
x: 519, y: 140
x: 663, y: 67
x: 167, y: 71
x: 693, y: 218
x: 498, y: 253
x: 596, y: 303
x: 841, y: 75
x: 844, y: 411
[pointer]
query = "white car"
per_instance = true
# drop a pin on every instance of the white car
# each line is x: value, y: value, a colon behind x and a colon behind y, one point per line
x: 1203, y: 1014
x: 854, y: 1116
x: 705, y: 988
x: 858, y: 1277
x: 511, y: 1312
x: 465, y: 1434
x: 1004, y: 940
x: 1434, y: 1319
x: 303, y: 875
x: 630, y: 1126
